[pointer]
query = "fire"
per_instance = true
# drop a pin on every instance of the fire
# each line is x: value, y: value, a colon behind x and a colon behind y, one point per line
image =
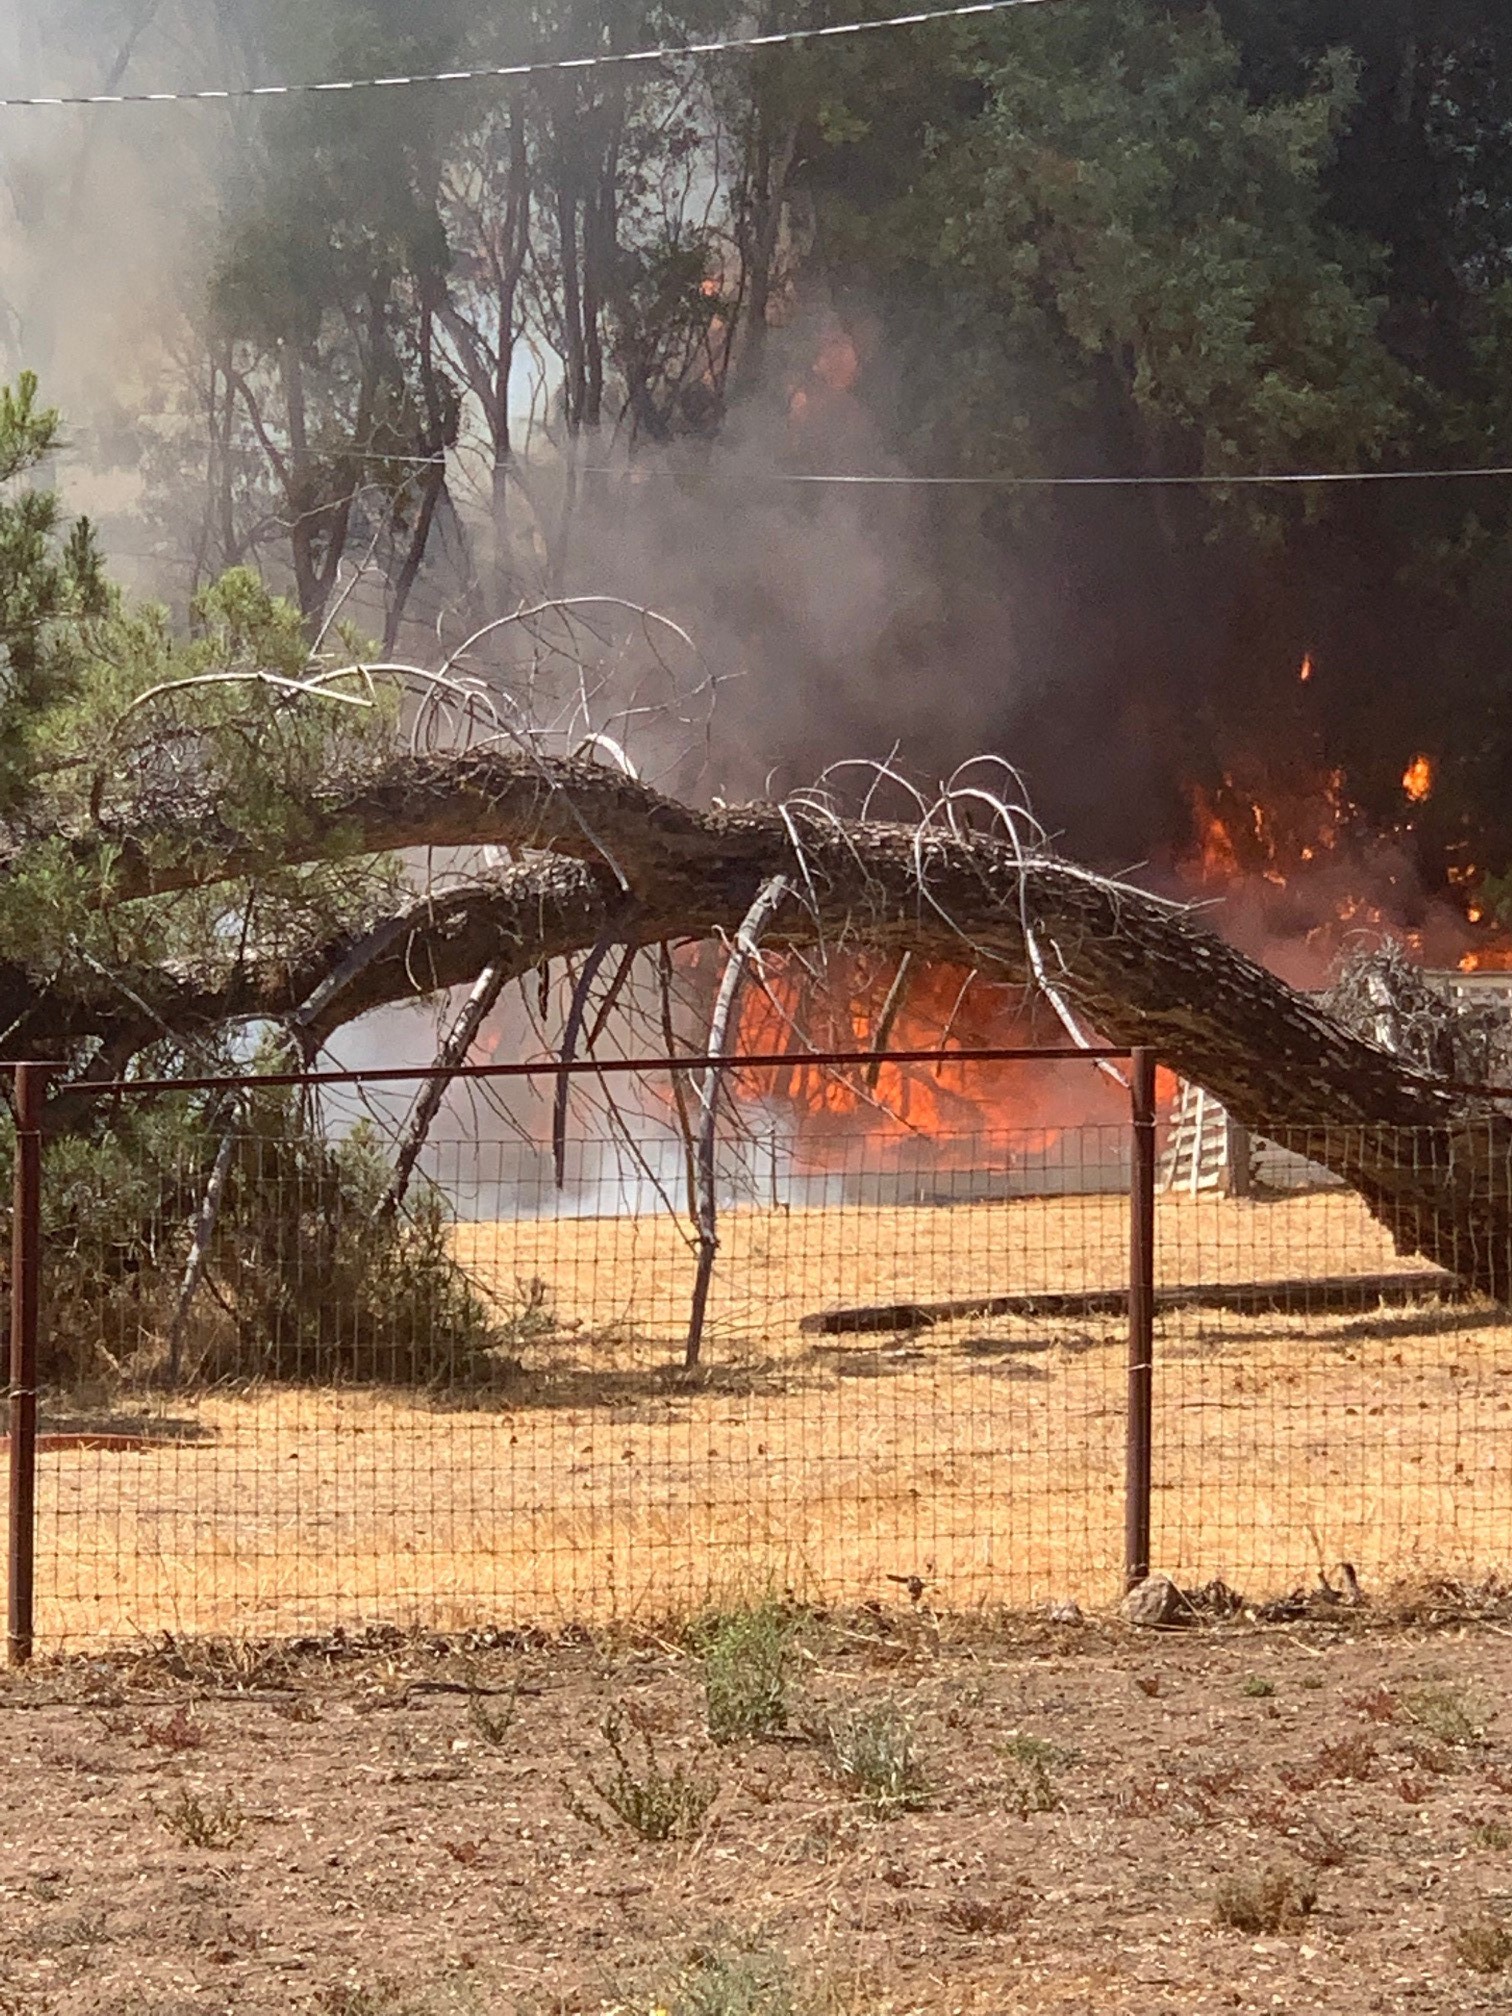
x: 1217, y: 860
x: 1305, y: 873
x: 1238, y: 833
x: 1305, y: 675
x: 951, y: 1115
x: 831, y: 378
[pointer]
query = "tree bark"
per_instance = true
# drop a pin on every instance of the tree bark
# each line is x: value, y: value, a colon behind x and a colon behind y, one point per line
x: 603, y: 852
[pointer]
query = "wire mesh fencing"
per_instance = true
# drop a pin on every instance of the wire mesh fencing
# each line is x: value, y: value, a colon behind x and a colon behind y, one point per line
x: 276, y: 1398
x: 1325, y: 1393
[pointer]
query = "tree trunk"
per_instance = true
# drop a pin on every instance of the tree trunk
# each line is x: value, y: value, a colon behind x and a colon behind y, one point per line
x: 596, y: 852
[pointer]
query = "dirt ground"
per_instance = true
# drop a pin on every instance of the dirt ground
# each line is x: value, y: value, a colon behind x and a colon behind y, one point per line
x: 986, y: 1454
x: 409, y: 1829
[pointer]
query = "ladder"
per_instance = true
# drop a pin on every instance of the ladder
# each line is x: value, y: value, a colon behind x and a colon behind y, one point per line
x: 1204, y: 1152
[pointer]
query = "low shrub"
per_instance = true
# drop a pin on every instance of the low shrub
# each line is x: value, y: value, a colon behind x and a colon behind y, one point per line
x: 652, y: 1801
x: 1268, y: 1902
x: 745, y: 1656
x: 872, y: 1753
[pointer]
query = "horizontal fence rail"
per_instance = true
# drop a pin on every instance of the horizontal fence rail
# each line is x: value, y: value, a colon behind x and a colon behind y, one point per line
x: 922, y: 1326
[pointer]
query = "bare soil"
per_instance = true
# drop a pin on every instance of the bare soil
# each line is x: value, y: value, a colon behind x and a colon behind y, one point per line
x: 395, y: 1845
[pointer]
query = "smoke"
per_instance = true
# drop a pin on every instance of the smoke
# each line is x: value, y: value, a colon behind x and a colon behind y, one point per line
x: 102, y: 223
x: 839, y: 622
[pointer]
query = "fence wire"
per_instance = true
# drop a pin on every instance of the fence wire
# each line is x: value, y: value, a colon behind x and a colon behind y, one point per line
x: 1354, y: 1411
x: 295, y: 1410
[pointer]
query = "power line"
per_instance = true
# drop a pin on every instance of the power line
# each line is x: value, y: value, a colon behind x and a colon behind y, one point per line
x: 546, y: 66
x: 1000, y: 480
x: 1006, y: 482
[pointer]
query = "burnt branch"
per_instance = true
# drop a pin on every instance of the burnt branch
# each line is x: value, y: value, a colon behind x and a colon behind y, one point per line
x: 598, y: 855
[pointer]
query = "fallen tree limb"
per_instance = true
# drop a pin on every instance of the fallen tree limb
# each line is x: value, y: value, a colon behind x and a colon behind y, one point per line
x: 595, y: 850
x: 1332, y: 1295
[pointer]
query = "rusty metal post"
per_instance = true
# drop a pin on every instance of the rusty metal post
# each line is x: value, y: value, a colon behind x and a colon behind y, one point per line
x: 26, y: 1281
x: 1138, y: 1464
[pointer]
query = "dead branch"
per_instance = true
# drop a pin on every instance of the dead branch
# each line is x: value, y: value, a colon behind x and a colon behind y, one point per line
x: 593, y: 847
x: 768, y: 901
x: 459, y: 1039
x: 1330, y: 1295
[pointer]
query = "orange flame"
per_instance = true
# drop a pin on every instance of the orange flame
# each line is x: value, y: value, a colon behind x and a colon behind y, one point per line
x: 1307, y: 670
x: 1417, y: 778
x: 898, y: 1109
x: 1217, y: 859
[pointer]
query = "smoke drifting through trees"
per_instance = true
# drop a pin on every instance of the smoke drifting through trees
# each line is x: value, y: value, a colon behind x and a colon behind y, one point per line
x: 706, y: 277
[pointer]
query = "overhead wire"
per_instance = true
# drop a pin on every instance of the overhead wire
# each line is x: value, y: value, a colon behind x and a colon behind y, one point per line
x: 993, y: 479
x: 1005, y: 481
x: 539, y: 67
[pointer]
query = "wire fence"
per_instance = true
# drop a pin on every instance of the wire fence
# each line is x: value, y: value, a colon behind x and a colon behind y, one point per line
x: 273, y: 1398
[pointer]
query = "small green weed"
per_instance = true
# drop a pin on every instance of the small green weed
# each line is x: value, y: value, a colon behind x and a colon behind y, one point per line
x: 491, y: 1725
x: 872, y: 1753
x: 1032, y: 1765
x: 1258, y: 1689
x: 654, y: 1803
x: 197, y: 1821
x: 745, y: 1667
x: 1484, y: 1946
x: 1492, y: 1834
x: 1447, y: 1713
x: 730, y: 1980
x: 1269, y: 1902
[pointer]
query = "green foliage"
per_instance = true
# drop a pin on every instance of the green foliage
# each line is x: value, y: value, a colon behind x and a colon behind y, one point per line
x: 654, y: 1802
x: 203, y: 1820
x: 873, y: 1754
x: 305, y: 1279
x: 322, y: 1285
x: 731, y: 1978
x: 745, y: 1657
x: 1484, y: 1945
x: 51, y: 589
x: 107, y: 713
x: 1449, y: 1714
x: 1032, y: 1764
x: 492, y: 1725
x: 1139, y: 253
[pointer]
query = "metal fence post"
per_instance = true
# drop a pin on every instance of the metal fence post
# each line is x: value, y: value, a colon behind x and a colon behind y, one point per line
x: 1138, y: 1467
x: 31, y: 1083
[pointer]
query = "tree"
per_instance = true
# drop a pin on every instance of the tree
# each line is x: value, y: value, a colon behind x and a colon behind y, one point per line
x: 48, y: 590
x: 323, y: 315
x: 1151, y: 237
x: 205, y: 844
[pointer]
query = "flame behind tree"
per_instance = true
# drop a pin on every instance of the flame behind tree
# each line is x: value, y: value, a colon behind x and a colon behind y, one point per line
x: 220, y: 854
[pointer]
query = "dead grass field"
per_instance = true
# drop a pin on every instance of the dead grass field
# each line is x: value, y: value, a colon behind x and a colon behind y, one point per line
x: 985, y: 1456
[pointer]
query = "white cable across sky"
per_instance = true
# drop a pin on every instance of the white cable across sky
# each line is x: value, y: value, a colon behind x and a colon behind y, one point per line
x: 989, y: 480
x: 1007, y: 482
x: 545, y: 66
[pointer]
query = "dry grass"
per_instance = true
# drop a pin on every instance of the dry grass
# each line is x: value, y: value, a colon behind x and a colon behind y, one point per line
x: 984, y: 1456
